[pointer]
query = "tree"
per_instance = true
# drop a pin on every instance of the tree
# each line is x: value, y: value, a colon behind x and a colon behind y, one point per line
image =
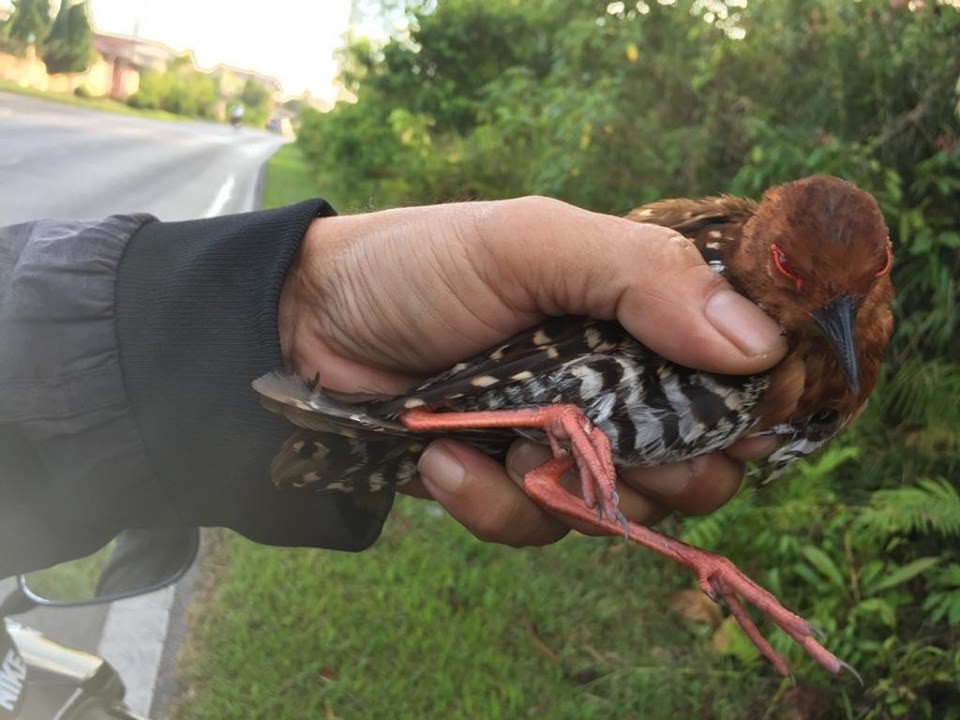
x: 69, y: 45
x: 258, y: 100
x: 29, y: 22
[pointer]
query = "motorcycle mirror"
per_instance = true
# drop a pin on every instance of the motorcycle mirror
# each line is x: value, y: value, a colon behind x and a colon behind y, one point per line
x: 133, y: 563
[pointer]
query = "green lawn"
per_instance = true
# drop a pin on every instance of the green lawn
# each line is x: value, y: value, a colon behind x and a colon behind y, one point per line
x: 432, y: 623
x: 288, y: 178
x: 104, y: 104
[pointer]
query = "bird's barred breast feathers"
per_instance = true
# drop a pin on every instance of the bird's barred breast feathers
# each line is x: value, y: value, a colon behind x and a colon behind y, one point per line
x: 653, y: 411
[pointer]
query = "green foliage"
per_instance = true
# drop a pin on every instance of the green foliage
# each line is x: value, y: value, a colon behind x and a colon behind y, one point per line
x: 929, y: 506
x: 30, y: 18
x: 288, y: 179
x: 257, y: 100
x: 69, y: 46
x: 879, y: 577
x: 609, y: 105
x: 29, y: 21
x: 181, y: 90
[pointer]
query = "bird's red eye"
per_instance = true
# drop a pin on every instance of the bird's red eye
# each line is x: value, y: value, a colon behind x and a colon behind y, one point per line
x: 886, y: 267
x: 783, y: 265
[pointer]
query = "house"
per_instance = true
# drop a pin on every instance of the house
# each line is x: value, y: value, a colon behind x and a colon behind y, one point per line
x: 127, y: 57
x: 114, y: 72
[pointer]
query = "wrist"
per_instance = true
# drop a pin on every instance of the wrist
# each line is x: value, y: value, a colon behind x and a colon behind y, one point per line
x: 297, y: 304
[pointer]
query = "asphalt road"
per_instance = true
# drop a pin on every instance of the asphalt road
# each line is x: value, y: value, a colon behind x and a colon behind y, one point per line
x: 62, y: 161
x: 59, y: 160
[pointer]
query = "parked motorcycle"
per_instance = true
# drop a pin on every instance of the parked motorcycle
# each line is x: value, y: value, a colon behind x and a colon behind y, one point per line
x: 43, y: 680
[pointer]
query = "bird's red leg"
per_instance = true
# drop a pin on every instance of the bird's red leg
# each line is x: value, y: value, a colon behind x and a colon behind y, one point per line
x: 562, y: 424
x: 718, y: 577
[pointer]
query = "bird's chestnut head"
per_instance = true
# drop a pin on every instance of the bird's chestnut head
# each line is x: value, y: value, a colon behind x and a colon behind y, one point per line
x: 826, y: 255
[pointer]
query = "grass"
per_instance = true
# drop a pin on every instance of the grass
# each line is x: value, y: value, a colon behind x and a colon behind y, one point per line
x: 431, y: 623
x: 288, y: 178
x: 103, y: 104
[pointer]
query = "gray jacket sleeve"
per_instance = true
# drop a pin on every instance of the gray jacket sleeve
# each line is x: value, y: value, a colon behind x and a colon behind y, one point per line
x: 126, y: 351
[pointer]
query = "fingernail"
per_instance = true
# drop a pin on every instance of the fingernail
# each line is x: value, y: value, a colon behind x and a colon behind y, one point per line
x: 440, y: 468
x: 743, y: 323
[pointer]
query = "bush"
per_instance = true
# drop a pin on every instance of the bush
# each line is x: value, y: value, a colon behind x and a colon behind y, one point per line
x: 180, y: 90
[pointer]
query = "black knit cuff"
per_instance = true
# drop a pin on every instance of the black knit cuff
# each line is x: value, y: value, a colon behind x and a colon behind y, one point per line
x: 197, y: 321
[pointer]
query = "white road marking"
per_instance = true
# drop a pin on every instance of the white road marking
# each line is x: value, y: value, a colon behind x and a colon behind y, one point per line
x: 222, y: 198
x: 133, y: 638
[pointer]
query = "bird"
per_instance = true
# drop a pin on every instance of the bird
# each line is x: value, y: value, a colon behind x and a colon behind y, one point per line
x: 814, y: 253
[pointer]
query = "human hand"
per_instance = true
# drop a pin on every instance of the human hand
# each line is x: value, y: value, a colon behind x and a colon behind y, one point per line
x: 376, y: 302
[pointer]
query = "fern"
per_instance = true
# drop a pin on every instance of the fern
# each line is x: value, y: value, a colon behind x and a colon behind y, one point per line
x: 791, y: 505
x: 924, y: 392
x: 929, y: 507
x: 943, y: 602
x: 708, y: 531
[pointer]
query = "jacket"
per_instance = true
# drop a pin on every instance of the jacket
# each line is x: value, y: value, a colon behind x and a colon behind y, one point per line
x: 127, y: 348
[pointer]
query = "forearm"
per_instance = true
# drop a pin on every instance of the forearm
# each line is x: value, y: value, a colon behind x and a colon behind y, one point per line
x: 66, y: 447
x: 127, y: 348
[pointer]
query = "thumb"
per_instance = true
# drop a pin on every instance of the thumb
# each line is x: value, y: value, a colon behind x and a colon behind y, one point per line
x: 565, y: 260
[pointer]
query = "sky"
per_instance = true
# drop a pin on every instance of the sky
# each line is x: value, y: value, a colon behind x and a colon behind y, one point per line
x: 291, y: 40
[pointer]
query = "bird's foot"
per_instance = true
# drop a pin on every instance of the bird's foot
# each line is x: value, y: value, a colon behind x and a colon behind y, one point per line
x: 718, y: 577
x: 565, y: 426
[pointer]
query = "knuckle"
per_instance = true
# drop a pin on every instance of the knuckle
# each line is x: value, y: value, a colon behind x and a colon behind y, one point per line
x: 716, y: 479
x: 493, y: 525
x: 501, y: 214
x: 537, y: 203
x: 664, y: 242
x: 677, y: 251
x: 489, y: 531
x: 673, y: 261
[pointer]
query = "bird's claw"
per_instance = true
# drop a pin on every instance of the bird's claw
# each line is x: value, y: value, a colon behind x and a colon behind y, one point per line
x: 852, y: 670
x: 624, y: 523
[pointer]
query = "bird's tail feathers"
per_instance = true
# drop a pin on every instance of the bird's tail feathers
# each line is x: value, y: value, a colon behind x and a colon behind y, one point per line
x: 310, y: 407
x: 333, y: 461
x: 284, y: 388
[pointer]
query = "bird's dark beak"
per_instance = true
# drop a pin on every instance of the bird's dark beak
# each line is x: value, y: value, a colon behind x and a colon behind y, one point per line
x: 837, y: 321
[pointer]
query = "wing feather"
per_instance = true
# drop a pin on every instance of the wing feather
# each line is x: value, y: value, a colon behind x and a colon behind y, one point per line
x: 532, y: 353
x: 703, y: 221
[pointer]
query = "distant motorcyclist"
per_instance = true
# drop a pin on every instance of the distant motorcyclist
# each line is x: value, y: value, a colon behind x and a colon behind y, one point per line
x: 236, y: 115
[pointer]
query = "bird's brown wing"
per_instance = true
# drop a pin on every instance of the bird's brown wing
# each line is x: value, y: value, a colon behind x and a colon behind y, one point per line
x: 711, y: 222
